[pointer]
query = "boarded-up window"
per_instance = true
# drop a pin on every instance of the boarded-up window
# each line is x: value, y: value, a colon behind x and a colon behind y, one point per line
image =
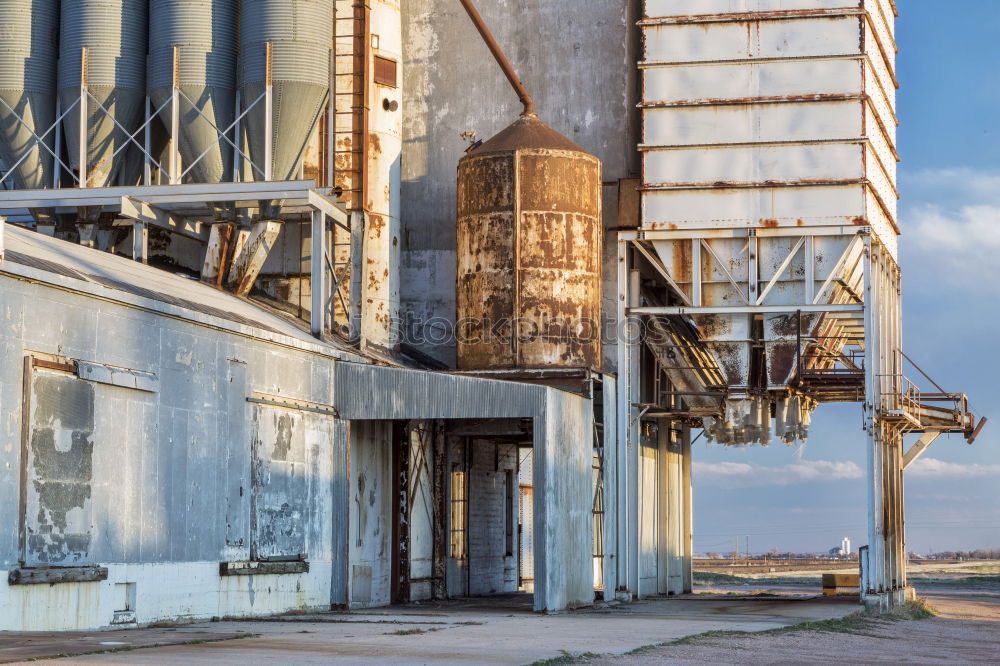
x: 58, y: 506
x: 279, y: 503
x: 385, y: 71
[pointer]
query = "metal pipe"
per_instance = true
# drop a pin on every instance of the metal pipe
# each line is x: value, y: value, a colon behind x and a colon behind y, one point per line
x: 268, y: 117
x: 175, y: 120
x: 494, y: 47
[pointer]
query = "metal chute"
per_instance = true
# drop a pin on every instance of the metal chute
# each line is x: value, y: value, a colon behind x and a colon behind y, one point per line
x: 102, y: 64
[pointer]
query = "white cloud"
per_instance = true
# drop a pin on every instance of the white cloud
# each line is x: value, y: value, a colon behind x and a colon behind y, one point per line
x: 952, y: 223
x: 953, y: 185
x: 939, y: 469
x: 805, y: 471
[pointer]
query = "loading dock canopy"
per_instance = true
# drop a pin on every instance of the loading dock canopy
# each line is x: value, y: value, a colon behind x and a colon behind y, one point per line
x: 562, y: 438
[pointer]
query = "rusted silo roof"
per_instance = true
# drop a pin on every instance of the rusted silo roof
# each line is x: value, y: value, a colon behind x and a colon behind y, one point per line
x: 526, y: 133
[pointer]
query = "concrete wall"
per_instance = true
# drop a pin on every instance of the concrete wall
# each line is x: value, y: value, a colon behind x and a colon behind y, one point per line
x: 159, y: 486
x: 578, y: 62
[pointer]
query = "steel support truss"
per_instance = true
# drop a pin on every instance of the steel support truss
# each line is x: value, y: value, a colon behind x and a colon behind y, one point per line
x: 182, y: 209
x: 857, y: 303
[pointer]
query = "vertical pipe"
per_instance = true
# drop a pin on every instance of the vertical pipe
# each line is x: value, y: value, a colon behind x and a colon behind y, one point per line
x: 147, y: 147
x: 268, y: 119
x: 687, y: 571
x: 56, y: 163
x: 635, y: 445
x: 237, y: 140
x: 331, y: 113
x: 83, y: 156
x: 696, y: 272
x: 175, y: 120
x: 810, y: 276
x: 623, y: 413
x: 317, y: 315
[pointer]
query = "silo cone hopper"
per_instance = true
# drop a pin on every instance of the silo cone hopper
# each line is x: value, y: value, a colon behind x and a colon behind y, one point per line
x: 27, y: 91
x: 103, y: 47
x: 197, y: 40
x: 288, y: 41
x: 760, y: 356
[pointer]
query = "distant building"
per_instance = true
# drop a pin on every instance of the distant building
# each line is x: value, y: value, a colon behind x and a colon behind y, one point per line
x: 845, y: 546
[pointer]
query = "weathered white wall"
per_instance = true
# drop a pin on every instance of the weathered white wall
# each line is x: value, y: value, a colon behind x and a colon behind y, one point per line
x: 169, y: 494
x: 577, y: 61
x: 564, y: 571
x: 371, y: 516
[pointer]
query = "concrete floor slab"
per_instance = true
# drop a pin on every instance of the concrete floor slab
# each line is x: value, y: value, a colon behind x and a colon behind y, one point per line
x: 483, y: 631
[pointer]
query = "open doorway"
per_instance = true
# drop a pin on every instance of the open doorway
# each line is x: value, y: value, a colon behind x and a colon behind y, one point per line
x: 446, y: 511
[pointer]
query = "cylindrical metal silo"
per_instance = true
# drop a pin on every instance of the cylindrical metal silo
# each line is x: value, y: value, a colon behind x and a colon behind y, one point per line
x: 113, y: 32
x: 529, y: 252
x: 205, y: 33
x: 301, y: 36
x: 29, y: 31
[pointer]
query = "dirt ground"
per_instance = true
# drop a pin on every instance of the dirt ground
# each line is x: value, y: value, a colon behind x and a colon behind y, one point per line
x: 966, y: 630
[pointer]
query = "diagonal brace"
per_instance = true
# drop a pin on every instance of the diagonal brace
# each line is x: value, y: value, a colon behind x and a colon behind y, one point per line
x: 919, y: 447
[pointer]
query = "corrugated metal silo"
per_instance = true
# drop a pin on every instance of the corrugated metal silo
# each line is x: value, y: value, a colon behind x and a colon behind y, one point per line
x: 114, y: 34
x: 206, y: 34
x: 29, y: 32
x: 529, y: 252
x: 301, y: 35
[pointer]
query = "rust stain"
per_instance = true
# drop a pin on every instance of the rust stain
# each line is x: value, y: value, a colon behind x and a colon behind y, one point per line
x: 759, y: 99
x: 768, y: 223
x: 375, y: 225
x: 742, y: 17
x: 799, y: 223
x: 860, y: 221
x: 375, y: 143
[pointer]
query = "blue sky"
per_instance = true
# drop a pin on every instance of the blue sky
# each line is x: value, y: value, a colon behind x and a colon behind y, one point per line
x: 807, y: 499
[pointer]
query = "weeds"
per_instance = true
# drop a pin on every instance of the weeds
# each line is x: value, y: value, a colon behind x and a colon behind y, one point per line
x: 565, y: 658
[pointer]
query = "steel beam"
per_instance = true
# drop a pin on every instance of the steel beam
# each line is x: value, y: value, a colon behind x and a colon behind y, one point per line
x: 740, y: 309
x: 741, y: 232
x: 317, y: 315
x: 919, y: 447
x: 246, y: 267
x: 140, y: 242
x: 293, y: 192
x: 144, y: 212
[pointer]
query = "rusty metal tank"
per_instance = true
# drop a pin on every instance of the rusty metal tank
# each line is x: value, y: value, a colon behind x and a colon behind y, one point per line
x: 529, y: 252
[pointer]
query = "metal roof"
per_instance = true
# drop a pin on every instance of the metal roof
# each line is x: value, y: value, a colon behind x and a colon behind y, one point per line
x: 104, y: 275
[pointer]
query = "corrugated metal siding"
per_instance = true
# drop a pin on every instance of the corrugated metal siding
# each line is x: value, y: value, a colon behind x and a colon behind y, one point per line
x: 376, y: 392
x: 207, y: 32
